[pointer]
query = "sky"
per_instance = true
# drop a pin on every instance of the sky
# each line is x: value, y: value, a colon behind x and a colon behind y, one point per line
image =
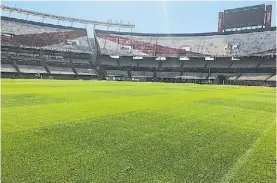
x: 148, y: 17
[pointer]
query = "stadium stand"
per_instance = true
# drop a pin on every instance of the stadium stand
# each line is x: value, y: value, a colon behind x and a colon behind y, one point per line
x: 29, y: 48
x: 22, y: 33
x: 244, y: 43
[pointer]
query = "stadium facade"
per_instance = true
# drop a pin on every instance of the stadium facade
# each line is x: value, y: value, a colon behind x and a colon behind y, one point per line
x: 39, y: 50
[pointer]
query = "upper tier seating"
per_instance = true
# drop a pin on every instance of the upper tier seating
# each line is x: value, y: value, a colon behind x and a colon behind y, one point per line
x: 245, y: 43
x: 22, y: 33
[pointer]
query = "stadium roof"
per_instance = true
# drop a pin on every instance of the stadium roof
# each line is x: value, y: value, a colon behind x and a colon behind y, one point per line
x: 83, y: 21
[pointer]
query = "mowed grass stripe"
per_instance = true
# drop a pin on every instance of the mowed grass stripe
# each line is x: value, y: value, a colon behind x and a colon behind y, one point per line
x: 244, y: 104
x: 131, y: 139
x: 49, y: 114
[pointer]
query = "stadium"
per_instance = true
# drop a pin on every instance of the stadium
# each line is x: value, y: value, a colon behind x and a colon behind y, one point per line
x: 183, y: 110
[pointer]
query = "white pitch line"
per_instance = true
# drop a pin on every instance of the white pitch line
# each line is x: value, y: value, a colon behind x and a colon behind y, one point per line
x: 244, y: 158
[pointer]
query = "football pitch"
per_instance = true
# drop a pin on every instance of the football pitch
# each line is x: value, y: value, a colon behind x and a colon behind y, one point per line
x: 98, y: 131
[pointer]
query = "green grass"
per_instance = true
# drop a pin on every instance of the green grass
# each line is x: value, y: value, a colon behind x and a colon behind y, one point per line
x: 96, y: 131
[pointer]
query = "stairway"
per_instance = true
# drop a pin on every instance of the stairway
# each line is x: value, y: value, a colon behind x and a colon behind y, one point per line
x: 238, y: 77
x: 93, y: 64
x: 129, y: 74
x: 231, y: 64
x: 14, y: 64
x: 260, y: 63
x: 101, y: 72
x: 270, y: 76
x: 45, y: 66
x: 72, y: 67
